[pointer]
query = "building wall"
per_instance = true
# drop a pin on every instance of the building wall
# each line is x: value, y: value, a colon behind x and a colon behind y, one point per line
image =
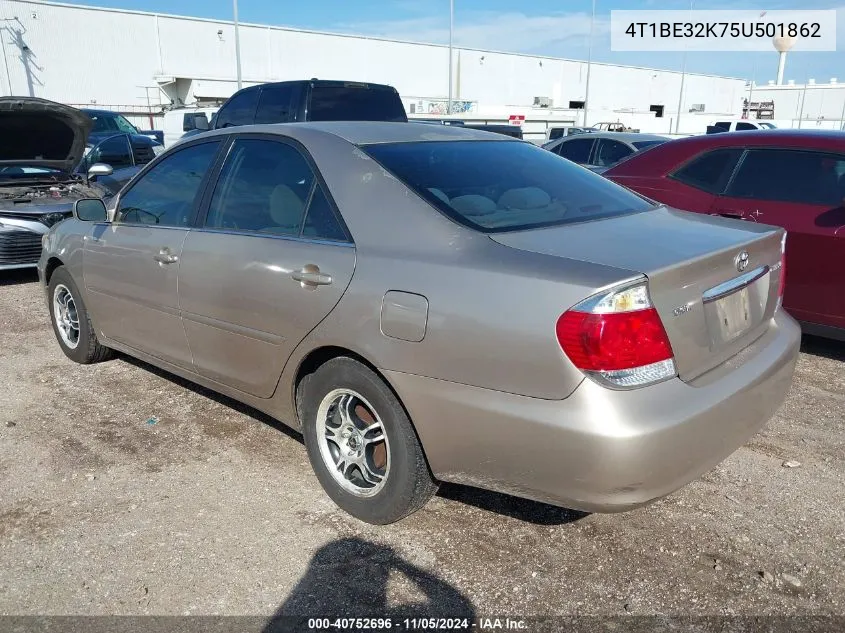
x: 86, y: 55
x: 823, y: 103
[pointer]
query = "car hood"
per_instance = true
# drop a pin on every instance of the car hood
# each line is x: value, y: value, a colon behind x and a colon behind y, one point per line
x: 41, y: 133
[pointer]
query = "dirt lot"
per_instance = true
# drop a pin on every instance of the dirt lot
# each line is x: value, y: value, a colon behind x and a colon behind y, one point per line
x: 125, y: 490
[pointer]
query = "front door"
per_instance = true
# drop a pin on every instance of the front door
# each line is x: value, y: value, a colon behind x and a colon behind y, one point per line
x: 131, y: 266
x: 269, y: 264
x: 801, y: 191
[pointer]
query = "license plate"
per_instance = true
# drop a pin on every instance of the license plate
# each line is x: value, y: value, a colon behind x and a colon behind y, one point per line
x: 733, y: 314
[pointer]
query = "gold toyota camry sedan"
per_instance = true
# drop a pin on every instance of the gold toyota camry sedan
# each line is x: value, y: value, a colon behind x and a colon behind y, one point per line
x: 429, y: 303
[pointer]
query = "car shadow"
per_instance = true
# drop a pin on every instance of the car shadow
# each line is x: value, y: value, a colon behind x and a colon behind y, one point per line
x: 514, y: 507
x: 18, y: 276
x: 505, y: 505
x: 818, y: 346
x: 348, y: 578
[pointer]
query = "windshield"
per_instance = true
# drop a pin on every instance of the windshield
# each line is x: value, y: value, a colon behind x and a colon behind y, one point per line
x: 111, y: 123
x: 24, y: 172
x: 496, y: 186
x: 644, y: 144
x: 767, y: 126
x: 355, y: 103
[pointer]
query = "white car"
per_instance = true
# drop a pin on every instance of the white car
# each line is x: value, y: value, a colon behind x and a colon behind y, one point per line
x: 181, y: 120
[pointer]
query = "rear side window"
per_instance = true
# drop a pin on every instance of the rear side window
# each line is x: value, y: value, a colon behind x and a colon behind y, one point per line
x: 576, y: 150
x: 268, y: 187
x: 745, y: 126
x: 611, y: 152
x: 710, y: 171
x: 238, y: 110
x: 276, y: 104
x: 165, y: 195
x: 495, y: 186
x: 354, y: 102
x: 114, y: 151
x: 782, y: 175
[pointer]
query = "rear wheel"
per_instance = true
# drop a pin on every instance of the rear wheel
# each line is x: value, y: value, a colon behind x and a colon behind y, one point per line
x: 70, y: 320
x: 361, y: 443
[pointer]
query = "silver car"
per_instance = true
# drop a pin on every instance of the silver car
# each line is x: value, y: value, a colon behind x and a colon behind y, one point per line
x: 599, y: 151
x: 436, y: 304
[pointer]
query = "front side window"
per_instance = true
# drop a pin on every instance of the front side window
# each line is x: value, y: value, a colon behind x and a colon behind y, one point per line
x: 745, y: 126
x: 114, y: 151
x: 165, y: 195
x: 268, y: 187
x: 796, y: 176
x: 238, y: 110
x: 495, y: 186
x: 576, y: 150
x: 710, y: 171
x: 103, y: 123
x: 611, y: 152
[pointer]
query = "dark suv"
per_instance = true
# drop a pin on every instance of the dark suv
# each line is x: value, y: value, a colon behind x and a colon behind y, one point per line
x: 309, y: 100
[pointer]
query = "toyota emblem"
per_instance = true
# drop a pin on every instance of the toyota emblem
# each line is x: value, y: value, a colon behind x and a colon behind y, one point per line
x: 741, y: 261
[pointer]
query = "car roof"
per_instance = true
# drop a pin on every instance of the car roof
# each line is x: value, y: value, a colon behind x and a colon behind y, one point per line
x: 627, y: 137
x: 99, y: 112
x: 372, y: 132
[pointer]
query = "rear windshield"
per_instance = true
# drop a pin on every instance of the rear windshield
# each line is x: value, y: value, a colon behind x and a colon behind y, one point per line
x: 355, y: 103
x: 496, y: 186
x: 644, y: 144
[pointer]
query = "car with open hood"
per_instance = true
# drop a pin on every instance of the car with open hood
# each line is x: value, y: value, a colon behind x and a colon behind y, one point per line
x: 43, y: 147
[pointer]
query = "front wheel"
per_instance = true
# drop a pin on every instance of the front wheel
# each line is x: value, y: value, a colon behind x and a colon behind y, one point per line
x: 70, y: 320
x: 361, y: 443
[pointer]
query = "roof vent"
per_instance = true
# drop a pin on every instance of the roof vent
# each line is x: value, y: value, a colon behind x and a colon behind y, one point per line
x: 791, y: 82
x: 834, y: 80
x: 811, y: 82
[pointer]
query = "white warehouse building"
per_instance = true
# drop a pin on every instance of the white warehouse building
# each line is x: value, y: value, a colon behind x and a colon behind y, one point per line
x: 139, y: 63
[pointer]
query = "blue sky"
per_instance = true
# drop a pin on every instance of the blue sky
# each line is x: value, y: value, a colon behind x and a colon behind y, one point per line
x: 546, y: 27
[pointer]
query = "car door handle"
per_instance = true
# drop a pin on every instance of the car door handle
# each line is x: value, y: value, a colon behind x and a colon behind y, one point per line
x: 310, y: 277
x: 164, y: 256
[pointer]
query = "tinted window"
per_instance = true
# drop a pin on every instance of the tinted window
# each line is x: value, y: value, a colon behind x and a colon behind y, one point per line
x: 710, y: 171
x: 725, y: 125
x: 555, y: 133
x: 239, y: 109
x: 504, y: 185
x: 124, y: 126
x: 576, y: 150
x: 321, y: 221
x: 790, y: 176
x: 264, y: 187
x: 191, y: 120
x: 165, y: 195
x: 745, y: 126
x: 643, y: 144
x: 611, y: 152
x: 113, y: 151
x: 355, y: 103
x: 275, y: 105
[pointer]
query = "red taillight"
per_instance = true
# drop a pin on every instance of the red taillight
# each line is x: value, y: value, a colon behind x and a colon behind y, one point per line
x: 609, y: 342
x: 617, y: 337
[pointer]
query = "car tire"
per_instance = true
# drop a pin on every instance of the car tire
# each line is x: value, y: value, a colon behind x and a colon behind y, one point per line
x: 79, y: 343
x: 378, y: 482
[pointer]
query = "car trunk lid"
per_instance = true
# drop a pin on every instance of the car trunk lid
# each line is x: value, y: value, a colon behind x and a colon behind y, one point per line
x: 714, y: 282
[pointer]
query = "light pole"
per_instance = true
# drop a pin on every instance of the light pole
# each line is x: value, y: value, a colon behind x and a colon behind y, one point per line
x: 589, y: 62
x: 683, y: 81
x: 451, y: 29
x: 237, y: 43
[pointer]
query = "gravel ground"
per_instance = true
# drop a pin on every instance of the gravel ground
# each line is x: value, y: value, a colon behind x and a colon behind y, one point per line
x: 124, y: 490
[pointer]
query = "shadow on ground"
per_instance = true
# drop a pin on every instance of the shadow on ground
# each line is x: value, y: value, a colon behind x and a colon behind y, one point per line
x: 818, y: 346
x: 20, y: 276
x: 348, y: 578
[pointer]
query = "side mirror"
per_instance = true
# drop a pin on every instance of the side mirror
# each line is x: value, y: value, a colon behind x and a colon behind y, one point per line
x: 90, y: 210
x: 99, y: 169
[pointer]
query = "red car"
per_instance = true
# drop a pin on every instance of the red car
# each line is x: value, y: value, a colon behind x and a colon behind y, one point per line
x: 789, y: 178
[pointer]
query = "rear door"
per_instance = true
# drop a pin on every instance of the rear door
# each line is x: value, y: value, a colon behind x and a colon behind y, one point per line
x: 801, y: 191
x: 131, y: 266
x: 269, y: 263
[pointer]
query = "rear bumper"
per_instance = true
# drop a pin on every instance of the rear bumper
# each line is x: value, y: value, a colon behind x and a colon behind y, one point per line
x: 601, y: 450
